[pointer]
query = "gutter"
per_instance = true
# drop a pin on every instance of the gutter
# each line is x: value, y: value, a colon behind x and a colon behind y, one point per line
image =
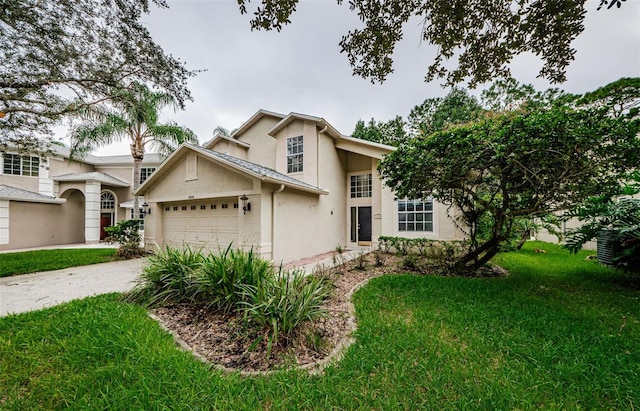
x: 273, y: 219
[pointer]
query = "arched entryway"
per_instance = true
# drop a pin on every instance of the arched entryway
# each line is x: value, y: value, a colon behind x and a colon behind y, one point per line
x: 107, y: 211
x: 72, y: 217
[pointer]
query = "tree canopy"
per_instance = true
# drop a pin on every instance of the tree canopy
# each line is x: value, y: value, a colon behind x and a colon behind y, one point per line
x: 483, y: 36
x: 433, y: 114
x: 60, y: 56
x: 516, y: 164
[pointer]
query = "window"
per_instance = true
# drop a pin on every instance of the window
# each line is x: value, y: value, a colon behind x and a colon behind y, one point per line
x: 294, y: 154
x: 225, y: 206
x: 235, y: 205
x: 167, y: 208
x: 140, y: 217
x: 193, y: 207
x: 175, y: 208
x: 361, y: 186
x: 213, y: 206
x: 183, y: 208
x: 415, y: 215
x: 107, y: 201
x: 203, y: 207
x: 21, y: 166
x: 145, y: 172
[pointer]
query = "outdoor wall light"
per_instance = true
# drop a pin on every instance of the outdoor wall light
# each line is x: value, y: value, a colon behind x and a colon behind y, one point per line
x: 246, y: 205
x: 146, y: 210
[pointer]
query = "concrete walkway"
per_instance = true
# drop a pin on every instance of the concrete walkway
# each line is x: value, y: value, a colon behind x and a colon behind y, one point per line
x: 28, y: 292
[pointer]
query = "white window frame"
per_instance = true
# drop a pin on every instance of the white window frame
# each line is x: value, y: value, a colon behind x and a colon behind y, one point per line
x: 30, y: 163
x: 415, y: 215
x: 145, y: 172
x: 295, y: 154
x: 360, y: 185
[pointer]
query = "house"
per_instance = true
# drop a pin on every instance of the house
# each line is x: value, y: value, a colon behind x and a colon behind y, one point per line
x: 289, y: 186
x: 53, y: 201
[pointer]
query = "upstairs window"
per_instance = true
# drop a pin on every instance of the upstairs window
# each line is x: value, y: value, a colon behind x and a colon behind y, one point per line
x: 294, y: 154
x: 361, y: 186
x: 21, y: 166
x: 145, y: 172
x: 415, y: 215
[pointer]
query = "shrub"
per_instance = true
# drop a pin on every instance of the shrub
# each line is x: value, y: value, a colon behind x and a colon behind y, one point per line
x: 233, y: 280
x: 126, y: 233
x: 218, y: 281
x: 167, y: 278
x: 281, y: 304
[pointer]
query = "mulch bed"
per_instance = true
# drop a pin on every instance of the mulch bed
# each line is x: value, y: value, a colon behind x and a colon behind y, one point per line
x: 224, y: 341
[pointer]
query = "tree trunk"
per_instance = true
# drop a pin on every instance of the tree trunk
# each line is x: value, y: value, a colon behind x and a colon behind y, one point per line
x: 137, y: 152
x: 473, y: 260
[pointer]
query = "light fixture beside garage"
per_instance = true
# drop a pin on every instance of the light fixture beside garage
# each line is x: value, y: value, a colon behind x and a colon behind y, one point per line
x: 246, y: 205
x: 146, y: 210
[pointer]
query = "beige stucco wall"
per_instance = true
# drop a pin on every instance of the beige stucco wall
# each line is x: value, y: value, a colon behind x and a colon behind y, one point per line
x: 23, y: 182
x: 38, y: 224
x: 211, y: 179
x: 263, y: 146
x: 308, y: 224
x: 60, y: 166
x: 213, y: 183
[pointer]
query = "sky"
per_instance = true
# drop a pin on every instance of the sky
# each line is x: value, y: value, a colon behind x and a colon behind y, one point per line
x: 301, y: 69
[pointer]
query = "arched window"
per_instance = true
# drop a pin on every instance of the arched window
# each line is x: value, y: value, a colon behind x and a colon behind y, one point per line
x: 107, y: 201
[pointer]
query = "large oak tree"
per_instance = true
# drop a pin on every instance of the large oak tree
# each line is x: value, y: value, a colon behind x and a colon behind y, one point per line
x: 481, y: 36
x: 59, y: 56
x: 517, y: 164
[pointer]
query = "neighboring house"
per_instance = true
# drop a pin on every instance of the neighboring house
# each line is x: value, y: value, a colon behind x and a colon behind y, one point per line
x: 53, y: 201
x: 288, y: 186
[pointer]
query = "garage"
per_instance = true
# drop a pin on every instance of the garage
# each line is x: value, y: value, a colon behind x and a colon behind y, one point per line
x: 208, y: 224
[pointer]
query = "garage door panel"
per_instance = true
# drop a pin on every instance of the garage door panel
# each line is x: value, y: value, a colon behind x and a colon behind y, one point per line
x: 202, y: 227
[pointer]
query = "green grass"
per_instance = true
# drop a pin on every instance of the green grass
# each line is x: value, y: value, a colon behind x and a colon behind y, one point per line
x: 47, y: 260
x: 558, y: 333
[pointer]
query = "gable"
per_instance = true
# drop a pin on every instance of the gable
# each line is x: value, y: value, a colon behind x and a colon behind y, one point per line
x: 195, y: 176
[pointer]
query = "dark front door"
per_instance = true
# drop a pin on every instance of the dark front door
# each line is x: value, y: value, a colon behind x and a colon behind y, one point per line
x: 105, y: 221
x: 364, y: 224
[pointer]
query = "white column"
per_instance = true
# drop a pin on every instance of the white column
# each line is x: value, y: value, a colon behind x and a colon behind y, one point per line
x: 92, y: 212
x: 4, y: 221
x: 45, y: 186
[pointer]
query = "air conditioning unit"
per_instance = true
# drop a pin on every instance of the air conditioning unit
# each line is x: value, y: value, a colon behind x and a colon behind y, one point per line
x: 608, y: 246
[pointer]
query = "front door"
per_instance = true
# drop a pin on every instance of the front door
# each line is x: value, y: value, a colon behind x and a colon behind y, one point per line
x: 105, y: 221
x: 364, y: 225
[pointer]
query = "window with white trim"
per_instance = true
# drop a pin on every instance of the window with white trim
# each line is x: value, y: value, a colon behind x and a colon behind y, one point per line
x: 140, y: 217
x: 145, y: 172
x: 294, y: 154
x: 21, y: 166
x: 361, y: 186
x: 415, y: 215
x: 107, y: 201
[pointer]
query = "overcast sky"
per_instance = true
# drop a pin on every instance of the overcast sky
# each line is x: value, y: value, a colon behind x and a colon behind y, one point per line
x: 301, y: 69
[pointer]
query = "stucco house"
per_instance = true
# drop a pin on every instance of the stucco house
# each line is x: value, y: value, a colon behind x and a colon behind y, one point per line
x: 54, y: 201
x: 289, y: 186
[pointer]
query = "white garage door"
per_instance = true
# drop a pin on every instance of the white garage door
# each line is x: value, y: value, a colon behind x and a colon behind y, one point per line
x: 211, y: 224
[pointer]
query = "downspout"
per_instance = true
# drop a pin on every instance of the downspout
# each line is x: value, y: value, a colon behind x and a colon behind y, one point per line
x: 318, y: 156
x: 273, y: 220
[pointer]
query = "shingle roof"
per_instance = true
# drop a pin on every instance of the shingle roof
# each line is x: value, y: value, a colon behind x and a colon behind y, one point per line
x: 101, y: 177
x: 258, y: 170
x: 18, y: 194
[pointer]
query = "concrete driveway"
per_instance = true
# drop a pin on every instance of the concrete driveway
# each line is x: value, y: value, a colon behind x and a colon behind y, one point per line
x: 29, y: 292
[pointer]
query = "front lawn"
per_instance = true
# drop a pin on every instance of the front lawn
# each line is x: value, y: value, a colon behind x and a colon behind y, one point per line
x: 47, y: 260
x: 558, y: 333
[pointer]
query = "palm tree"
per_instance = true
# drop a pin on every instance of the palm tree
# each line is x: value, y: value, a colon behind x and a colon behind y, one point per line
x: 134, y: 115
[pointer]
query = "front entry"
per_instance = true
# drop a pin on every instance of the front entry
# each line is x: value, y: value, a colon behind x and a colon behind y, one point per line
x: 361, y: 225
x: 105, y: 221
